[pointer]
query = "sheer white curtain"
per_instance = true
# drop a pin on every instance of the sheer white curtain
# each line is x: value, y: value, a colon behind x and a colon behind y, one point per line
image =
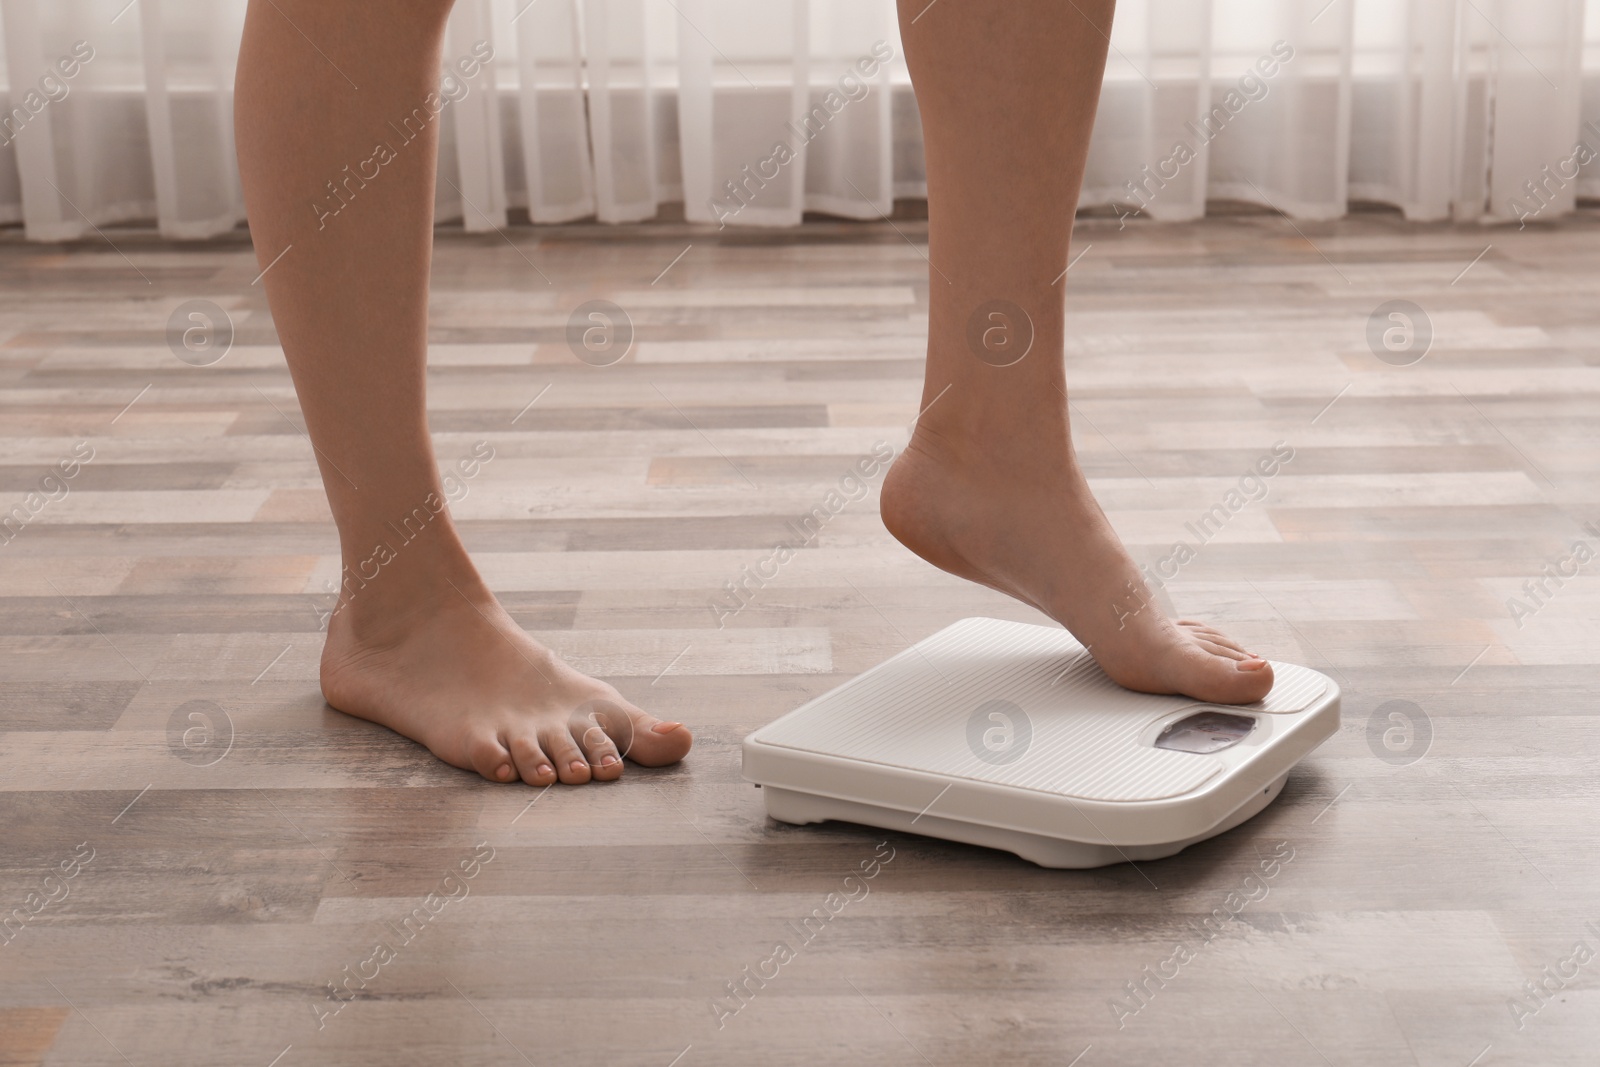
x: 751, y: 114
x: 1443, y: 108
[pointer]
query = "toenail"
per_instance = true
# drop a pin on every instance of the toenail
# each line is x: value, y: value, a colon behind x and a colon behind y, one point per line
x: 608, y: 759
x: 577, y: 766
x: 542, y: 770
x: 504, y: 772
x: 665, y: 727
x: 1252, y: 664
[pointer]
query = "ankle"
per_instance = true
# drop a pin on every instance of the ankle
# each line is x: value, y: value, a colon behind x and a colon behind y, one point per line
x: 988, y: 443
x: 391, y: 583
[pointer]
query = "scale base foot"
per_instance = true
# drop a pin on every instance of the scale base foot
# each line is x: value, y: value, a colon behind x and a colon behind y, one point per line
x: 791, y: 806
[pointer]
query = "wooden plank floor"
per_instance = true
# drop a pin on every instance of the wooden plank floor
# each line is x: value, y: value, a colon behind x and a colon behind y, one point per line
x: 196, y: 849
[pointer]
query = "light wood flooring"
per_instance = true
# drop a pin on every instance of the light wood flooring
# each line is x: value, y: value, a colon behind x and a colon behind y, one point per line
x: 198, y: 847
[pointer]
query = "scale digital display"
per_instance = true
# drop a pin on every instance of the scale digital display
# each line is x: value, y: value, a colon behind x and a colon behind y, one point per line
x: 1206, y: 731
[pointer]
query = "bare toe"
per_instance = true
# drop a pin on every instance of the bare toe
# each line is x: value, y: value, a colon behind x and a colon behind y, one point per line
x: 571, y: 765
x: 1219, y: 679
x: 605, y: 763
x: 533, y: 765
x: 1217, y: 648
x: 651, y: 742
x: 489, y: 758
x: 1200, y: 630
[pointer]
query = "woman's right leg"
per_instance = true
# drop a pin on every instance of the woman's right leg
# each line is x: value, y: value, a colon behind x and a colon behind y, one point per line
x: 418, y: 642
x: 989, y: 487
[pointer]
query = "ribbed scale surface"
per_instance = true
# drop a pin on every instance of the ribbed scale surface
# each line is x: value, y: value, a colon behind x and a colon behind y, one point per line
x: 920, y: 710
x: 1294, y: 688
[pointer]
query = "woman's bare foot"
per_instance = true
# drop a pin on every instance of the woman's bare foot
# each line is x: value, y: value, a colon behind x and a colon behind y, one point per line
x: 1015, y: 513
x: 443, y: 664
x: 989, y: 488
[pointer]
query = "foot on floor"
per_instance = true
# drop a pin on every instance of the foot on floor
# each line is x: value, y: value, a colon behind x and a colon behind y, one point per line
x: 454, y: 672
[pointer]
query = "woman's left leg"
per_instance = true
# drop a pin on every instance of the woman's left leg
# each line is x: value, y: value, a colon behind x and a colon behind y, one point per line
x: 418, y: 642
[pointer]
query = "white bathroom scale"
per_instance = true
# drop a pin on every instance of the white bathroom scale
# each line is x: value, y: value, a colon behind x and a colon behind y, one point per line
x: 1009, y: 735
